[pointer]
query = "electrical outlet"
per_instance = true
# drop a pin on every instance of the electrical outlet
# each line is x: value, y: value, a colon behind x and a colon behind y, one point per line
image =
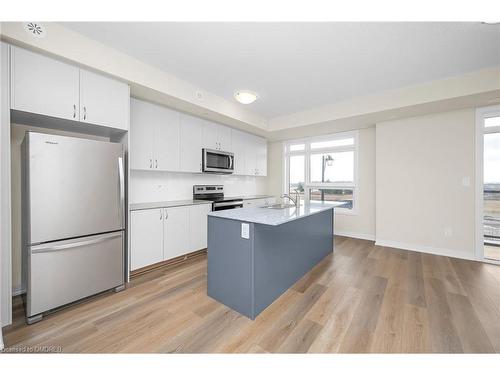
x: 448, y: 232
x: 466, y: 181
x: 245, y: 231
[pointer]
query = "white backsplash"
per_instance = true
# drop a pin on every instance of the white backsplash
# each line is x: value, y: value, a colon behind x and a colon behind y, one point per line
x: 146, y: 186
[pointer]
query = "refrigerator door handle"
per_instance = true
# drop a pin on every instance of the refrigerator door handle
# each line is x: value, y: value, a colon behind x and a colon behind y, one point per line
x: 122, y: 190
x: 45, y: 248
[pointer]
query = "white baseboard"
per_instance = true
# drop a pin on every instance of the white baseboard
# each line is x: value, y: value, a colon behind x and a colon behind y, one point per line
x: 18, y: 290
x: 426, y: 249
x: 361, y: 236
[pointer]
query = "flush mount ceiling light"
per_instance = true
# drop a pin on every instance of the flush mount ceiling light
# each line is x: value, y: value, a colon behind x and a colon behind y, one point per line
x: 245, y: 96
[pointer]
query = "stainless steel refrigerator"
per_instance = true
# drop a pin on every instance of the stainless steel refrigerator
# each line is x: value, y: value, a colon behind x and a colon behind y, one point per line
x: 73, y: 220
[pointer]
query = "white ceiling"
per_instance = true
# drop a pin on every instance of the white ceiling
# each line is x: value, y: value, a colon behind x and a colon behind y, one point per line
x: 299, y: 66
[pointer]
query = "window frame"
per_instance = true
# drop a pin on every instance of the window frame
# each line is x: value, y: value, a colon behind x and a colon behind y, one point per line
x: 307, y: 152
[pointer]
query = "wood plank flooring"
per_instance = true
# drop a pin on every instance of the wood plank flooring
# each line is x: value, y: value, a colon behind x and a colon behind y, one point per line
x: 363, y: 298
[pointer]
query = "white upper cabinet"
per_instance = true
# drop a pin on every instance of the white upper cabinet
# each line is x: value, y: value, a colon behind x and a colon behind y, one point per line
x: 261, y: 156
x: 216, y: 136
x: 250, y: 155
x: 143, y: 122
x: 167, y: 141
x: 43, y: 85
x: 191, y: 129
x: 239, y: 139
x: 103, y: 101
x: 224, y: 138
x: 154, y: 137
x: 209, y: 131
x: 255, y: 155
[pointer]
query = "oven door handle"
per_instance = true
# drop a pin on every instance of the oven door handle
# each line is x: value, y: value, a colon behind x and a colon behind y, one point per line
x: 225, y: 204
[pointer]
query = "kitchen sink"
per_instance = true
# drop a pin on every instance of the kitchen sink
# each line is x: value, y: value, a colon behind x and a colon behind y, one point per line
x: 279, y: 206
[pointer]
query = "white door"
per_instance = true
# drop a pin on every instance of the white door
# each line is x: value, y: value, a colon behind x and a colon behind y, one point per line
x: 167, y: 140
x: 250, y: 155
x: 190, y: 143
x: 210, y: 139
x: 44, y: 85
x: 224, y: 138
x: 103, y: 101
x: 143, y: 123
x: 238, y: 142
x: 261, y: 157
x: 175, y: 232
x: 198, y: 221
x: 146, y: 238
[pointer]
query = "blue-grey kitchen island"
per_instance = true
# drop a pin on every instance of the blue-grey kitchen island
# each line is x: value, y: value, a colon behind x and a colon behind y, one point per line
x: 256, y: 254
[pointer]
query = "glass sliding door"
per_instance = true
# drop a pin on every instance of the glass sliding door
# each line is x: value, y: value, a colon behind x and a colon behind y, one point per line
x: 491, y: 188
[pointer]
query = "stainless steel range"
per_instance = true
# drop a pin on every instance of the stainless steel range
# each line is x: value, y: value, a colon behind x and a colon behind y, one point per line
x: 215, y: 193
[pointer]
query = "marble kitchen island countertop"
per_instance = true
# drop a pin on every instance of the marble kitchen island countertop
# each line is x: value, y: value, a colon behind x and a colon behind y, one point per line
x: 249, y: 197
x: 269, y: 216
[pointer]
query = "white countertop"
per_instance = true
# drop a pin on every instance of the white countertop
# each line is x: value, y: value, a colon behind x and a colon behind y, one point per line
x: 166, y: 204
x: 187, y: 202
x: 269, y: 216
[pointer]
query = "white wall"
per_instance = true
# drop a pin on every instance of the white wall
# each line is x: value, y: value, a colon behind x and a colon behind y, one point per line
x: 5, y: 227
x: 361, y: 224
x: 421, y: 163
x: 17, y: 136
x: 146, y: 186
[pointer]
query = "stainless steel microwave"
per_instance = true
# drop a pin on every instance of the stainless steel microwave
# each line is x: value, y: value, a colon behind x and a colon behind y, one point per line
x: 216, y: 161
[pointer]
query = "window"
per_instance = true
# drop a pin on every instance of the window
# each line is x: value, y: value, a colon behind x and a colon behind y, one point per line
x: 323, y: 169
x: 491, y: 188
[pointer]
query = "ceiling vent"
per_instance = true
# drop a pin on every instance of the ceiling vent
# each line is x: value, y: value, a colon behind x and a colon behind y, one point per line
x: 36, y: 30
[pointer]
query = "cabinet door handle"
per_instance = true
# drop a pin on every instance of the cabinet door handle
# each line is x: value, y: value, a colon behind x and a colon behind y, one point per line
x: 161, y: 214
x: 150, y: 163
x: 166, y: 214
x: 74, y: 110
x: 84, y: 112
x: 156, y: 161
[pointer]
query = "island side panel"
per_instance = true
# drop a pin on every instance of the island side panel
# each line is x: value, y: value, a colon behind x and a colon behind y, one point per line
x: 284, y: 253
x: 230, y: 265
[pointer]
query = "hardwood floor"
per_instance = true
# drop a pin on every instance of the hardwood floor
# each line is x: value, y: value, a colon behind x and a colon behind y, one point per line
x: 363, y: 298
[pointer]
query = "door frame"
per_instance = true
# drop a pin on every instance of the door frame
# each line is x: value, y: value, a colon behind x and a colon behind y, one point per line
x: 481, y: 114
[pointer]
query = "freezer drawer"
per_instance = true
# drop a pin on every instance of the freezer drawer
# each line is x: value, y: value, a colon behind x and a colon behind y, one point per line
x: 65, y: 271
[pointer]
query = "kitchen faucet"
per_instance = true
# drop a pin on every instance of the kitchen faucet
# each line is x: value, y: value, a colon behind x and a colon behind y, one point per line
x: 295, y: 201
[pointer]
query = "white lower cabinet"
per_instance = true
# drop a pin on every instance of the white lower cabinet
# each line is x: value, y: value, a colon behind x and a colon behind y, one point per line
x: 161, y: 234
x: 198, y: 226
x: 175, y: 232
x: 146, y: 237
